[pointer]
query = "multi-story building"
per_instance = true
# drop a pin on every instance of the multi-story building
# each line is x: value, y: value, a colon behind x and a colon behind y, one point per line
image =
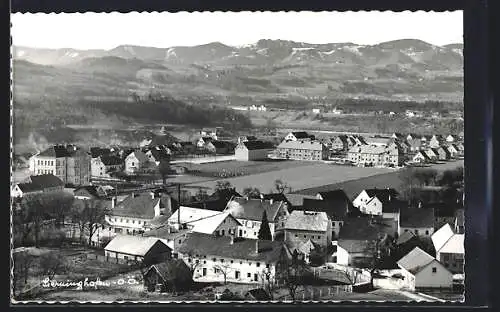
x: 302, y: 150
x: 373, y: 155
x: 103, y: 166
x: 67, y: 162
x: 309, y: 225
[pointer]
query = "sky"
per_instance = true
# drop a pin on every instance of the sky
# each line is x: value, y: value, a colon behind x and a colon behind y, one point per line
x: 109, y: 30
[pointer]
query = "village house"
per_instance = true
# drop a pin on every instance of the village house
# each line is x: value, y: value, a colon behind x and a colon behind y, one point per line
x: 367, y: 155
x: 413, y: 136
x: 204, y: 141
x: 249, y: 212
x: 422, y: 158
x: 134, y: 214
x: 437, y: 140
x: 212, y: 133
x: 415, y: 145
x: 335, y: 210
x: 421, y: 270
x: 302, y: 150
x: 170, y: 236
x: 449, y: 248
x: 168, y: 276
x: 304, y: 248
x: 89, y: 192
x: 136, y: 162
x: 184, y: 215
x: 450, y: 138
x: 157, y: 154
x: 208, y: 222
x: 375, y: 196
x: 420, y: 221
x: 219, y: 259
x: 337, y: 198
x: 308, y: 225
x: 147, y: 250
x: 246, y: 138
x: 442, y: 153
x: 37, y: 184
x: 298, y: 136
x: 453, y: 150
x: 102, y: 166
x: 432, y: 154
x: 357, y: 242
x: 67, y: 162
x: 340, y: 143
x: 253, y: 150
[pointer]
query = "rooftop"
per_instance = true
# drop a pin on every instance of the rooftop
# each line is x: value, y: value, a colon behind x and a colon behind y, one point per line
x: 253, y: 209
x: 333, y: 209
x: 256, y: 145
x: 190, y: 214
x: 415, y: 260
x: 141, y: 205
x: 132, y: 245
x: 40, y: 182
x: 417, y: 218
x: 307, y: 221
x: 305, y: 145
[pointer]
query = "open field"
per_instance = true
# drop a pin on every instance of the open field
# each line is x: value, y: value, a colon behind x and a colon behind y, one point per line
x: 299, y: 178
x: 384, y: 180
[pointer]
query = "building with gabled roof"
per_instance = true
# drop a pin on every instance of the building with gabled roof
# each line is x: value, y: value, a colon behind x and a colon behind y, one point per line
x: 308, y: 225
x: 136, y: 248
x: 235, y: 260
x: 371, y: 201
x: 298, y: 135
x: 422, y: 157
x: 167, y: 276
x: 89, y: 192
x: 302, y: 150
x: 420, y: 221
x: 134, y: 214
x: 336, y: 212
x: 135, y: 162
x: 249, y: 212
x: 103, y: 166
x: 36, y: 184
x: 253, y: 150
x: 421, y: 270
x: 449, y: 248
x: 187, y: 215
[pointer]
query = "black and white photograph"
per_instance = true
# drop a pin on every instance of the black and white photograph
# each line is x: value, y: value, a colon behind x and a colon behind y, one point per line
x: 237, y: 157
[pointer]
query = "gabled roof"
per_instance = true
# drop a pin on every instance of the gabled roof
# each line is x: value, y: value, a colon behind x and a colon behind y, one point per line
x: 220, y: 246
x: 40, y: 182
x: 256, y: 145
x: 305, y: 145
x: 424, y: 154
x: 140, y: 205
x: 333, y: 209
x: 159, y: 154
x: 404, y: 237
x: 368, y: 149
x: 173, y: 265
x: 297, y: 200
x: 140, y: 156
x: 57, y: 151
x: 307, y: 221
x: 454, y: 245
x: 301, y: 135
x: 253, y: 209
x: 277, y: 197
x: 223, y: 144
x: 132, y: 245
x: 417, y: 218
x: 110, y: 160
x: 441, y: 236
x: 394, y: 206
x: 209, y: 224
x: 99, y: 151
x: 359, y: 229
x: 415, y: 260
x: 89, y: 189
x: 384, y: 195
x: 225, y: 194
x: 189, y: 214
x: 334, y: 195
x: 342, y: 137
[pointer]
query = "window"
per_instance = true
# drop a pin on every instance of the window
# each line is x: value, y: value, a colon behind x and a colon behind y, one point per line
x: 406, y: 230
x: 221, y: 260
x: 434, y: 270
x: 416, y: 232
x: 258, y: 264
x: 204, y: 262
x: 249, y: 275
x: 333, y: 223
x: 427, y: 232
x: 231, y: 261
x: 204, y: 271
x: 267, y: 266
x: 222, y: 232
x: 296, y: 235
x: 237, y: 274
x: 305, y: 236
x: 180, y: 241
x: 213, y: 259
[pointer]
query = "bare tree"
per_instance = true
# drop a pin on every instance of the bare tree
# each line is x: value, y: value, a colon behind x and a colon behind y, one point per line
x: 37, y: 210
x: 22, y: 262
x: 222, y: 185
x: 281, y: 187
x: 51, y: 264
x: 223, y: 269
x: 60, y: 204
x: 353, y: 275
x: 292, y: 274
x: 269, y: 282
x: 251, y: 192
x: 89, y: 216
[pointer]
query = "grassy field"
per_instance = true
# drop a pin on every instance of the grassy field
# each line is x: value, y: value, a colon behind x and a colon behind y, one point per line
x: 243, y: 168
x: 384, y: 180
x: 299, y: 178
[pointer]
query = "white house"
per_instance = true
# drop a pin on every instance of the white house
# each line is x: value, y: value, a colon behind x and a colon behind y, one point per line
x: 316, y: 110
x: 146, y: 249
x: 135, y: 161
x: 249, y: 212
x: 253, y: 150
x: 102, y: 166
x: 421, y: 157
x: 370, y: 201
x: 235, y: 260
x: 37, y: 184
x: 421, y: 270
x: 298, y: 135
x: 449, y: 248
x: 205, y: 221
x: 450, y: 138
x: 308, y: 225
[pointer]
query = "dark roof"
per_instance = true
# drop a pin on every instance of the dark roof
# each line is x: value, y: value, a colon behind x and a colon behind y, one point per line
x: 256, y: 145
x: 58, y: 151
x: 159, y: 154
x: 140, y: 205
x: 359, y: 228
x: 417, y: 218
x: 253, y: 209
x: 223, y: 144
x: 99, y: 151
x: 220, y: 246
x: 335, y: 195
x: 165, y: 269
x: 441, y: 209
x: 332, y: 209
x: 41, y: 182
x: 301, y: 135
x: 89, y: 189
x: 111, y: 160
x: 225, y: 194
x: 277, y: 197
x: 394, y: 205
x: 382, y: 194
x: 343, y: 138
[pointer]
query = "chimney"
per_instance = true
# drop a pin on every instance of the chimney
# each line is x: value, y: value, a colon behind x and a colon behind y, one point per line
x: 270, y: 201
x: 256, y: 246
x: 152, y: 195
x: 113, y: 202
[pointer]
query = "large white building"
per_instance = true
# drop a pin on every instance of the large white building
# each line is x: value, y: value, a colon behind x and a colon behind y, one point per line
x: 253, y: 150
x: 450, y: 250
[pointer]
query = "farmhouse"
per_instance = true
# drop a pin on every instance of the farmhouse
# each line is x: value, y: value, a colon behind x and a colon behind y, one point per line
x: 422, y: 157
x: 298, y: 136
x: 235, y: 260
x: 366, y: 196
x: 421, y: 270
x: 135, y: 213
x: 302, y: 150
x: 309, y: 225
x: 187, y: 215
x: 146, y: 249
x: 157, y: 154
x: 415, y: 144
x: 168, y: 276
x: 336, y: 213
x: 135, y: 162
x: 102, y: 166
x: 249, y: 212
x: 442, y: 153
x: 449, y: 248
x: 420, y: 221
x: 253, y: 150
x: 37, y: 184
x: 340, y: 143
x: 437, y: 140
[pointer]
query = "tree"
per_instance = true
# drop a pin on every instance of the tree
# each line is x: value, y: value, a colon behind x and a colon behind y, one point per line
x: 426, y: 176
x: 22, y: 262
x: 264, y: 230
x: 52, y: 263
x: 36, y: 211
x: 269, y: 283
x: 223, y: 269
x: 409, y: 183
x: 251, y: 192
x: 353, y: 275
x: 201, y: 195
x: 222, y: 185
x: 89, y: 216
x: 292, y: 273
x: 281, y: 187
x: 164, y: 169
x: 60, y: 204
